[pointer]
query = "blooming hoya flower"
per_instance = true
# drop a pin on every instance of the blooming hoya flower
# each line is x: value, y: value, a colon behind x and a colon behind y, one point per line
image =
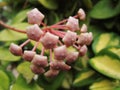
x: 35, y: 16
x: 15, y: 49
x: 49, y: 40
x: 34, y: 32
x: 56, y: 40
x: 40, y: 60
x: 72, y: 24
x: 60, y: 52
x: 81, y: 14
x: 69, y: 38
x: 28, y: 55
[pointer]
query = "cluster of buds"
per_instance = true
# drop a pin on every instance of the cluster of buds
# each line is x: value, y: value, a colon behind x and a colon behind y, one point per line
x: 55, y: 38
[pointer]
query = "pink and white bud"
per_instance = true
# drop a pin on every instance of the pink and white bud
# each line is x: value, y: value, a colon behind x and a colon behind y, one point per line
x: 51, y: 73
x: 83, y: 28
x: 83, y: 50
x: 85, y: 38
x: 81, y: 14
x: 49, y: 40
x: 28, y: 55
x: 60, y: 52
x: 69, y: 38
x: 15, y: 49
x: 59, y: 65
x: 71, y: 57
x: 90, y: 38
x: 34, y: 32
x: 40, y: 60
x: 37, y: 70
x: 73, y: 24
x: 35, y: 16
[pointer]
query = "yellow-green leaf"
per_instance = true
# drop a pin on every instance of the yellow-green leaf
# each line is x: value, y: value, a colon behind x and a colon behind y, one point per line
x: 4, y: 81
x: 21, y: 84
x: 24, y: 69
x: 9, y: 35
x: 105, y: 9
x: 5, y: 55
x: 50, y: 4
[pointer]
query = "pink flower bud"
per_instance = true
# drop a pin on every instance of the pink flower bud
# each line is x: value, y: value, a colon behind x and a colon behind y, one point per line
x: 81, y: 14
x: 35, y: 16
x: 51, y: 73
x: 40, y: 60
x: 60, y: 52
x: 83, y: 50
x: 59, y: 65
x: 71, y: 57
x: 90, y: 38
x: 85, y: 38
x: 37, y: 70
x: 28, y: 55
x: 73, y: 24
x: 49, y: 40
x: 34, y: 32
x: 83, y: 28
x: 15, y: 49
x: 69, y: 38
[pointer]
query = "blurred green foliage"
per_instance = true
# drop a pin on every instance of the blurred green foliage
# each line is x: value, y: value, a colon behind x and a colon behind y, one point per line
x: 98, y: 70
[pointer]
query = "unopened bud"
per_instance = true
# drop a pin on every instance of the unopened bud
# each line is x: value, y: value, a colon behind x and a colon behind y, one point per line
x: 73, y: 24
x: 28, y: 55
x: 71, y: 57
x: 81, y: 14
x: 34, y: 32
x: 37, y: 70
x: 90, y: 38
x: 83, y: 28
x: 35, y: 16
x: 59, y: 65
x: 60, y: 52
x: 51, y: 73
x: 83, y: 50
x: 84, y: 38
x: 69, y: 38
x: 49, y: 40
x: 15, y: 49
x: 40, y: 60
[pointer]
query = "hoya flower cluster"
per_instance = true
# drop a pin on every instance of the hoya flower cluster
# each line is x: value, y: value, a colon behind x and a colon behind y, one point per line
x: 56, y: 39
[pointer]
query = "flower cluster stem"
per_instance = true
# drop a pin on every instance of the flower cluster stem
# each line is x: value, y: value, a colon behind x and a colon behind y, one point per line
x: 11, y: 28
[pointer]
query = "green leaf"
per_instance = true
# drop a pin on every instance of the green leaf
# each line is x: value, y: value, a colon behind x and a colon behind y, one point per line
x: 52, y: 18
x: 21, y: 84
x: 20, y: 16
x: 24, y: 69
x: 50, y: 4
x: 4, y: 81
x: 105, y: 9
x: 105, y: 40
x: 103, y: 85
x: 6, y: 55
x: 51, y: 83
x: 84, y: 78
x: 9, y: 35
x: 107, y: 64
